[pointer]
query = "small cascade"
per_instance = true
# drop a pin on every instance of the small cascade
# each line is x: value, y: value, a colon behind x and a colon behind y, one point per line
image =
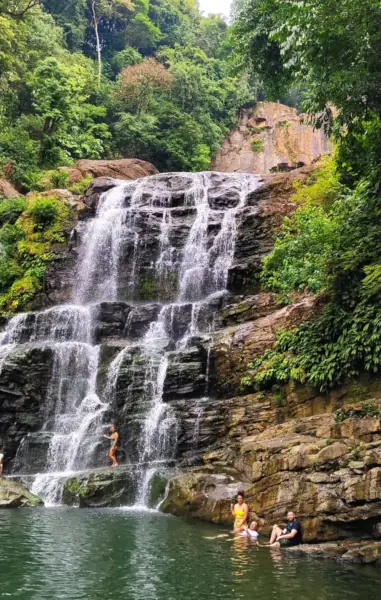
x: 72, y: 409
x: 158, y: 251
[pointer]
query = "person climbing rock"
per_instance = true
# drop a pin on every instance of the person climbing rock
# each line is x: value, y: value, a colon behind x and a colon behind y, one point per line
x: 240, y: 510
x: 291, y: 535
x: 114, y: 437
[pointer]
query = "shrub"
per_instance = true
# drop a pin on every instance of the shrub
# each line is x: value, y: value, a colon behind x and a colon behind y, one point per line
x: 9, y: 272
x: 11, y: 209
x: 44, y: 211
x: 299, y: 258
x: 34, y: 181
x: 60, y: 179
x: 80, y: 188
x: 257, y: 145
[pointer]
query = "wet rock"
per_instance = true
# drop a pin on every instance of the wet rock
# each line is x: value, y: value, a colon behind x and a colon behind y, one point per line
x: 201, y: 495
x: 139, y: 319
x: 96, y: 189
x: 111, y: 487
x: 110, y: 320
x: 25, y: 377
x: 241, y: 309
x: 14, y: 494
x: 351, y: 551
x: 101, y: 488
x: 186, y: 375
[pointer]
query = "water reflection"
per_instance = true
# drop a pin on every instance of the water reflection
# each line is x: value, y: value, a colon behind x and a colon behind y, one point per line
x: 63, y: 554
x: 239, y: 556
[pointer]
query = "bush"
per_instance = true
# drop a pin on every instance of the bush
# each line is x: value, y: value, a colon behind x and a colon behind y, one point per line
x: 257, y: 145
x: 300, y: 255
x: 60, y: 179
x: 9, y: 272
x: 80, y: 188
x: 34, y: 181
x: 11, y: 209
x: 44, y: 211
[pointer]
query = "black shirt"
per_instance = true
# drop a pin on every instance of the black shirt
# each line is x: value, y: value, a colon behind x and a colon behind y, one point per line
x: 295, y: 524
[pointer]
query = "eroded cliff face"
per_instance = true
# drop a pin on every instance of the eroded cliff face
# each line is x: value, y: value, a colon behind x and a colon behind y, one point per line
x: 270, y: 137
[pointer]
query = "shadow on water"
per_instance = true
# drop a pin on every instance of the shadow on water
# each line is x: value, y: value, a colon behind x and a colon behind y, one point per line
x: 66, y: 554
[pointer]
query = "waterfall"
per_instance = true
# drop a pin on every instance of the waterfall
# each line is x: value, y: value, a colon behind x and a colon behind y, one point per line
x: 170, y: 238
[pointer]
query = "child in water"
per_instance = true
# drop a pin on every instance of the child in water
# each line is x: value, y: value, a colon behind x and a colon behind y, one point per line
x: 251, y: 531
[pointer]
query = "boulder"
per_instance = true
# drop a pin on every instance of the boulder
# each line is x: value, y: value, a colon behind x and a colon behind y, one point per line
x: 124, y: 168
x: 7, y: 190
x: 101, y: 488
x: 14, y: 494
x: 363, y: 552
x: 110, y: 487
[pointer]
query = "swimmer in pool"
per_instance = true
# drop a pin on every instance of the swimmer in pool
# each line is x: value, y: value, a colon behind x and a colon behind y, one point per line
x: 240, y: 510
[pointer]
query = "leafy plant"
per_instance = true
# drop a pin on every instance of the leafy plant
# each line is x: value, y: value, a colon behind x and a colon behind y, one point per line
x: 60, y: 179
x: 80, y: 188
x: 11, y: 209
x: 367, y: 410
x: 44, y: 211
x: 257, y: 144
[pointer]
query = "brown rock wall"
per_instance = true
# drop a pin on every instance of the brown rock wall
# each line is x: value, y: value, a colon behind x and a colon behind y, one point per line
x: 287, y: 142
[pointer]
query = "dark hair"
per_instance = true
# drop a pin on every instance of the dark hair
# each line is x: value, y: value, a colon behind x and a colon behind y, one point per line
x: 241, y: 493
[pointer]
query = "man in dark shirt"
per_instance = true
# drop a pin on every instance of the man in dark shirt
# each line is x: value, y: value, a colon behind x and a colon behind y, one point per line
x: 291, y: 535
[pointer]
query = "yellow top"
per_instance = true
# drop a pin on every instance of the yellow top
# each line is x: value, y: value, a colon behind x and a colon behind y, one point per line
x: 239, y: 515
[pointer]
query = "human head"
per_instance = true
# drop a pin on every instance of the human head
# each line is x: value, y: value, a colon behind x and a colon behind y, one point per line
x: 253, y: 525
x: 240, y: 497
x: 112, y: 429
x: 290, y: 515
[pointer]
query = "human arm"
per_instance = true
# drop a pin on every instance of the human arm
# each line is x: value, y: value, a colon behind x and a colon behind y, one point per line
x: 232, y: 510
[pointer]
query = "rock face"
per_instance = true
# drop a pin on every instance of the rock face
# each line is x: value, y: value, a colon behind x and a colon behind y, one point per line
x: 7, y: 190
x: 24, y: 386
x: 14, y: 495
x: 124, y: 168
x: 317, y: 455
x: 270, y: 137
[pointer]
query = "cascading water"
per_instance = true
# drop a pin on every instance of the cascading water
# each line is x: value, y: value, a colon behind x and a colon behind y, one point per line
x: 187, y: 269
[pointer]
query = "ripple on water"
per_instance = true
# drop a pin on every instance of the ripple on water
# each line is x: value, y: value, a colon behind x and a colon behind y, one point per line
x: 68, y: 554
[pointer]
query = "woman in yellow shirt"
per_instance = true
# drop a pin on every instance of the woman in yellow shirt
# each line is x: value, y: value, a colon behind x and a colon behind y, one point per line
x: 240, y: 511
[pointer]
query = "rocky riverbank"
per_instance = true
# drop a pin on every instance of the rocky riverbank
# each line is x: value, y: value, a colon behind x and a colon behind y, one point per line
x: 14, y: 494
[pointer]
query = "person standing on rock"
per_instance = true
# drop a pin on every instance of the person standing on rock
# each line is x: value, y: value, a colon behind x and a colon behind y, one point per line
x: 240, y: 511
x: 1, y: 464
x: 114, y: 437
x: 291, y: 535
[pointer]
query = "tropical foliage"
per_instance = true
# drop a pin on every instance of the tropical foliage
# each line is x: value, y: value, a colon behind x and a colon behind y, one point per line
x: 110, y: 78
x: 331, y: 245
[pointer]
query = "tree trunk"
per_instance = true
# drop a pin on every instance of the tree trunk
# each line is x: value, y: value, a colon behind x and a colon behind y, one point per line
x: 98, y: 43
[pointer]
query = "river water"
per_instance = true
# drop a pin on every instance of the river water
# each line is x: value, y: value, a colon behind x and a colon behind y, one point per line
x: 69, y: 554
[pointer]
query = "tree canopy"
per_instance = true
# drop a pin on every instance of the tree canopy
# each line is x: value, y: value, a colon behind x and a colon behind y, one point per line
x: 110, y: 78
